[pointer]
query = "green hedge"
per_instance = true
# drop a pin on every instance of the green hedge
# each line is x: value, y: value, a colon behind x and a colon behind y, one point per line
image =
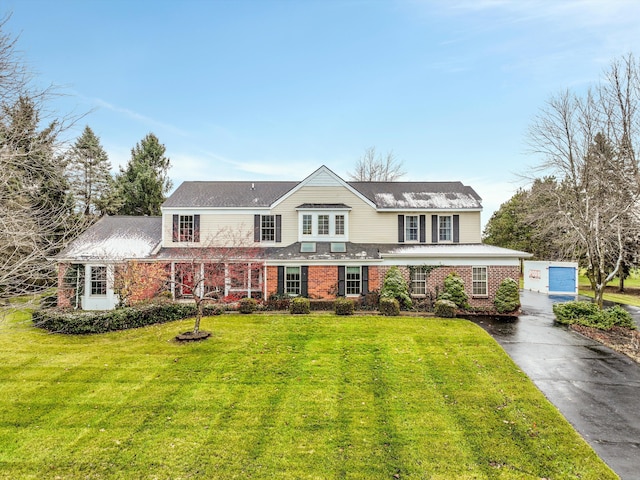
x: 389, y: 306
x: 247, y: 305
x: 445, y: 309
x: 344, y: 306
x: 83, y: 322
x: 300, y: 306
x: 589, y: 315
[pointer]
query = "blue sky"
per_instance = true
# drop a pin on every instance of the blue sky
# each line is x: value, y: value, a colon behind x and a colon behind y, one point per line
x: 271, y: 90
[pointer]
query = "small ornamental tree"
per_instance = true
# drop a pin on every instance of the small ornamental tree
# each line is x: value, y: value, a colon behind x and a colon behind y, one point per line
x: 454, y: 291
x: 134, y: 281
x: 507, y: 296
x: 395, y: 286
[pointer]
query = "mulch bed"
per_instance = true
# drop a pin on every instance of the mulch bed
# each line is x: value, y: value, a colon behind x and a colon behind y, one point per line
x: 623, y: 340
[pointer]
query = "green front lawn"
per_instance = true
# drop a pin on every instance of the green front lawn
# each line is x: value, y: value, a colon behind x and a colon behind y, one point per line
x: 279, y: 397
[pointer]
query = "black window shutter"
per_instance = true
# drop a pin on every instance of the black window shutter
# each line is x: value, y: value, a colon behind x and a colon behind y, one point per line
x: 304, y: 281
x: 176, y: 228
x: 256, y: 228
x: 278, y: 228
x: 456, y: 229
x: 280, y: 280
x: 365, y: 279
x: 196, y: 228
x: 423, y: 228
x: 400, y: 228
x: 434, y: 228
x: 341, y: 275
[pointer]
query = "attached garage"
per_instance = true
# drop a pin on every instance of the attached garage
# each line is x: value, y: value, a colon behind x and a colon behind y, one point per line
x: 554, y: 278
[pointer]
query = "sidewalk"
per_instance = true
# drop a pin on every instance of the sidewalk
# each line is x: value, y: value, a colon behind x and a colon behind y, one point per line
x: 595, y: 388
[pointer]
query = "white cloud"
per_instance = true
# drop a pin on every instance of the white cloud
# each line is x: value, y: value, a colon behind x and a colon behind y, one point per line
x: 138, y: 117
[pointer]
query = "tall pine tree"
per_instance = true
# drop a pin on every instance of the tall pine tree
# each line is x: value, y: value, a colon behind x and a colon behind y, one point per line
x: 144, y: 183
x: 89, y: 174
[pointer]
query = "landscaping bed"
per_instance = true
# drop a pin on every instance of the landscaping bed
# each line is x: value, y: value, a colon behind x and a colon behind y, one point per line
x: 620, y: 339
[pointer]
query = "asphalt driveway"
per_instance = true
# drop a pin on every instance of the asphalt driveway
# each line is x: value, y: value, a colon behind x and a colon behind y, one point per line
x: 595, y: 388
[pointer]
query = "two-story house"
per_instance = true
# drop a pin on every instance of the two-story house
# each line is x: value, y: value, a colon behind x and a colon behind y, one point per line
x: 321, y: 237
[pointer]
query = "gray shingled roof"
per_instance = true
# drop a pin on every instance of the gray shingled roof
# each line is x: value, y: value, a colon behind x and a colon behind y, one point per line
x: 393, y: 195
x: 228, y: 194
x: 116, y: 238
x: 421, y: 195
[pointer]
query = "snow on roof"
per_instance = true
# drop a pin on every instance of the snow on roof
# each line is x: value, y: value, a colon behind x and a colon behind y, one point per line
x: 432, y: 200
x: 116, y: 238
x: 456, y: 250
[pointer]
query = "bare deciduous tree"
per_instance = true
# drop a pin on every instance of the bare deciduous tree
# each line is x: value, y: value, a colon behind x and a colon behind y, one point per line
x: 373, y: 167
x: 34, y: 211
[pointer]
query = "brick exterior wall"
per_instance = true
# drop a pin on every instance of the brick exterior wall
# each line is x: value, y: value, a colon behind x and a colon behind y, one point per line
x: 323, y: 280
x: 495, y: 276
x: 64, y: 293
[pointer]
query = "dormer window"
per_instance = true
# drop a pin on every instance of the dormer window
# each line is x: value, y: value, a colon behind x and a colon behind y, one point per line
x: 323, y: 222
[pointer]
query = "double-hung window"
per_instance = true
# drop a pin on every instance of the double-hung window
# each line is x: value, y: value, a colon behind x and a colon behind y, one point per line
x: 292, y: 281
x: 323, y: 224
x: 411, y: 228
x: 98, y: 280
x: 307, y: 224
x: 418, y: 281
x: 268, y: 228
x: 445, y: 228
x: 186, y: 228
x: 479, y: 275
x: 339, y: 225
x: 353, y: 281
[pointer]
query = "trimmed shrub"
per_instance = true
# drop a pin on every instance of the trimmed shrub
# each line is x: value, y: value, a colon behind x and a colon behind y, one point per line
x: 444, y: 309
x: 300, y: 306
x: 370, y: 300
x: 344, y: 306
x: 83, y: 322
x: 389, y: 307
x: 454, y: 291
x: 395, y: 286
x: 589, y: 315
x: 211, y: 309
x: 320, y: 305
x: 278, y: 302
x: 247, y: 305
x: 507, y: 296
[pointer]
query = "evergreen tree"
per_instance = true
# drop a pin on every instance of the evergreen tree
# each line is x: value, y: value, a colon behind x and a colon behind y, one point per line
x: 35, y: 210
x: 89, y: 174
x: 143, y: 184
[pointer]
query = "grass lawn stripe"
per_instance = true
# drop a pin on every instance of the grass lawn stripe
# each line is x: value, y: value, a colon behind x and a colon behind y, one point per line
x: 279, y: 396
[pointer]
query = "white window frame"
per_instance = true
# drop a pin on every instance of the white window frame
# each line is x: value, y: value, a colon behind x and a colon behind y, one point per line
x: 293, y: 287
x: 411, y: 228
x: 356, y: 284
x: 267, y: 231
x: 94, y: 281
x: 337, y: 220
x: 418, y: 281
x: 480, y: 286
x: 324, y: 225
x: 447, y: 230
x: 338, y: 224
x: 307, y: 224
x: 186, y: 228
